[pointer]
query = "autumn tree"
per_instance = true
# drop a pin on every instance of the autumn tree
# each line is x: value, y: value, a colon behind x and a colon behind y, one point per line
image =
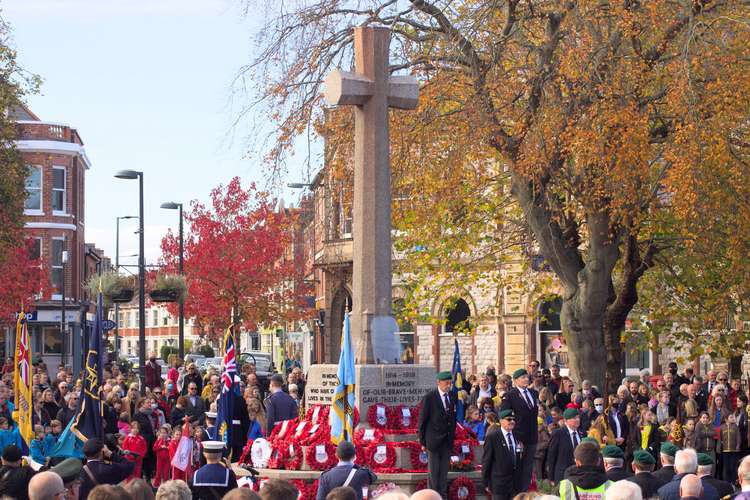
x: 237, y: 260
x: 598, y: 112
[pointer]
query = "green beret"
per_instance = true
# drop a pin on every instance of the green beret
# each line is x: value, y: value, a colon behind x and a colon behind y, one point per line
x: 704, y: 459
x: 445, y: 376
x: 668, y: 449
x: 643, y: 457
x: 570, y: 413
x: 69, y: 469
x: 519, y: 373
x: 505, y: 414
x: 612, y: 451
x: 589, y: 439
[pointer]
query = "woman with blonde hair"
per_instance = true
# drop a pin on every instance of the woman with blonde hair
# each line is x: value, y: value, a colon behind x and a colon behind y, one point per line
x: 131, y: 400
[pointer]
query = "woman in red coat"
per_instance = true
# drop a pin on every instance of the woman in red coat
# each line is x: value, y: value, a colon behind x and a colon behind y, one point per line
x: 136, y: 447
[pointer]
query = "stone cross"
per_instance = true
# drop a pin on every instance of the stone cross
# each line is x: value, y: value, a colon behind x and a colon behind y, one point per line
x: 372, y: 91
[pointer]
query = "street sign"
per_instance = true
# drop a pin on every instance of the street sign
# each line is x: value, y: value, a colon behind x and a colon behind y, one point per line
x: 108, y: 324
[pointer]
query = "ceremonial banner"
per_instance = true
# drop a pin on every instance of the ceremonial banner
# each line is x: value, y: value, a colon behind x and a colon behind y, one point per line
x: 342, y: 416
x: 88, y: 423
x: 184, y: 451
x: 229, y: 390
x: 22, y: 383
x: 458, y: 382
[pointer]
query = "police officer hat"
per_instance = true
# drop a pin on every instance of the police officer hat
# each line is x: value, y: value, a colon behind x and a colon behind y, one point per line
x: 210, y: 414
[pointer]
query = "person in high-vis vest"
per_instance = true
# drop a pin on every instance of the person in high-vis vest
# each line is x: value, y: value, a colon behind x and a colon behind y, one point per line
x: 587, y: 480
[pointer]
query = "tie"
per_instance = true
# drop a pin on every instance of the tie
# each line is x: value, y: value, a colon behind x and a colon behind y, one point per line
x: 446, y: 402
x: 574, y: 435
x: 528, y: 399
x: 511, y: 446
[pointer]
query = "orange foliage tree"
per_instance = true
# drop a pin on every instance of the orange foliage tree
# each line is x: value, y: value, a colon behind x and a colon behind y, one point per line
x: 605, y: 121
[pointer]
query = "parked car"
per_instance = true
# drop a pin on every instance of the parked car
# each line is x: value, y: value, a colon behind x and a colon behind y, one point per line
x: 194, y: 358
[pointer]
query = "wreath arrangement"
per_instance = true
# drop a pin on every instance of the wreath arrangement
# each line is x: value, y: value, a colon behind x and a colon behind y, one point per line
x: 417, y: 457
x: 281, y: 429
x: 381, y: 457
x: 401, y: 417
x: 307, y: 491
x: 321, y: 456
x: 462, y: 488
x: 377, y: 416
x: 362, y: 437
x: 317, y: 414
x: 463, y: 433
x: 464, y: 450
x: 315, y: 434
x: 246, y: 457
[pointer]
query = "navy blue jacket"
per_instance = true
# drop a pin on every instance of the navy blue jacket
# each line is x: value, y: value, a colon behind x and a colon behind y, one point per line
x: 337, y: 477
x: 279, y: 406
x: 671, y: 490
x: 104, y: 473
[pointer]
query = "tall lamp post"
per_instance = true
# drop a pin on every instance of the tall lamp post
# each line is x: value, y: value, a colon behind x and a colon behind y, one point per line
x: 63, y: 326
x: 132, y: 175
x: 170, y: 205
x: 117, y: 270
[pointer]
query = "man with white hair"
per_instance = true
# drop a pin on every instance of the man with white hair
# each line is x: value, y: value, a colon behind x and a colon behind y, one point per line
x: 705, y: 473
x: 690, y: 487
x: 46, y: 486
x: 743, y: 476
x: 685, y: 463
x: 624, y: 490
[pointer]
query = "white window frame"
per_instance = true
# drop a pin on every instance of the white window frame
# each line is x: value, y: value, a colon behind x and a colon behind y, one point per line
x: 56, y: 296
x: 40, y: 210
x: 155, y: 317
x: 64, y: 190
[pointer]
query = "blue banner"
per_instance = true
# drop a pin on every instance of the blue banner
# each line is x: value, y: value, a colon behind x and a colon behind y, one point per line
x: 342, y: 406
x: 230, y: 389
x: 458, y: 382
x: 88, y: 423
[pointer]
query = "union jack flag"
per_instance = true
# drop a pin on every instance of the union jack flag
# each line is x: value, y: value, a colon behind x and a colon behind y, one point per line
x: 230, y: 388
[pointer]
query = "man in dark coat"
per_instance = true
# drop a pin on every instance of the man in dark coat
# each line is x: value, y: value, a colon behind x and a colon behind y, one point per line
x: 192, y: 375
x: 562, y: 445
x: 437, y: 431
x: 153, y: 372
x: 619, y: 425
x: 686, y: 463
x: 643, y: 464
x: 705, y: 471
x: 501, y: 460
x: 666, y: 454
x: 524, y: 403
x: 279, y: 405
x: 196, y: 407
x: 97, y: 471
x: 614, y: 463
x: 215, y: 479
x: 346, y: 473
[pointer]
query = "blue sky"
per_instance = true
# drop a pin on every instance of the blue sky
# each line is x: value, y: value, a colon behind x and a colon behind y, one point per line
x: 147, y: 85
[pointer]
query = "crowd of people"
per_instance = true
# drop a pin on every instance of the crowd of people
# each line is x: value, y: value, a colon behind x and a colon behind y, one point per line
x: 547, y: 421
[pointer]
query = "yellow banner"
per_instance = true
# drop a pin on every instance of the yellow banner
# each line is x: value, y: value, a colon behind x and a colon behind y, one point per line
x: 22, y: 382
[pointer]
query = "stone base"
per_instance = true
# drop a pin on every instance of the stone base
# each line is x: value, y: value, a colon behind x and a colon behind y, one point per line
x: 407, y: 482
x: 387, y: 384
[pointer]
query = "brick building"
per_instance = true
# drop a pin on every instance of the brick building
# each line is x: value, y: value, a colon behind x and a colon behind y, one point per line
x: 54, y: 213
x: 161, y: 329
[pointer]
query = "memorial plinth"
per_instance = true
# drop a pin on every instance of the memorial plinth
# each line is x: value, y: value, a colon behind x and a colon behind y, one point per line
x: 387, y: 384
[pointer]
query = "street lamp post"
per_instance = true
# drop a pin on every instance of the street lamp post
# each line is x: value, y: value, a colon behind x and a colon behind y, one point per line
x: 132, y: 175
x: 170, y: 205
x: 63, y: 326
x: 117, y: 270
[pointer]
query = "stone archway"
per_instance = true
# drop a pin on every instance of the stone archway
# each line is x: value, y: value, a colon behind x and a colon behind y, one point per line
x: 341, y: 303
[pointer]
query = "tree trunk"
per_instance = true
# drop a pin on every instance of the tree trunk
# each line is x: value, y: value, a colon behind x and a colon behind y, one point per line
x: 585, y: 342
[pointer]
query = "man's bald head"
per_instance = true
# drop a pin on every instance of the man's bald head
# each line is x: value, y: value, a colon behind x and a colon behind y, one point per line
x: 45, y: 486
x: 426, y: 495
x: 691, y: 486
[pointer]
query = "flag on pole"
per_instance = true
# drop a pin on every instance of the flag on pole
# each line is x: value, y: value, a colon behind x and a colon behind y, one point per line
x: 342, y: 416
x: 184, y: 451
x: 88, y: 423
x: 68, y: 445
x: 230, y: 389
x: 458, y: 382
x: 22, y: 382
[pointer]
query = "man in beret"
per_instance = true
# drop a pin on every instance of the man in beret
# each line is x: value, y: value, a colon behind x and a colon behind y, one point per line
x: 523, y: 401
x: 69, y: 471
x: 643, y: 464
x: 502, y: 459
x: 562, y: 445
x: 666, y: 456
x: 705, y: 472
x: 614, y: 463
x: 97, y: 471
x: 437, y: 431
